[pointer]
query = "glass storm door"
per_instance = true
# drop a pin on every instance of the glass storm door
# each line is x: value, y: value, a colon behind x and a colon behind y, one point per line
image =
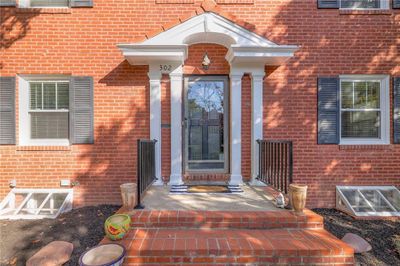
x: 205, y: 123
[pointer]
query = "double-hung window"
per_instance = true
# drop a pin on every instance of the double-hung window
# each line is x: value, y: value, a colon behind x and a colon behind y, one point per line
x: 364, y: 4
x: 49, y: 107
x: 364, y: 111
x: 44, y: 3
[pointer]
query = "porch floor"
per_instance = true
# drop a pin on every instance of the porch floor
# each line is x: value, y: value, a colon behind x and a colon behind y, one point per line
x: 251, y: 199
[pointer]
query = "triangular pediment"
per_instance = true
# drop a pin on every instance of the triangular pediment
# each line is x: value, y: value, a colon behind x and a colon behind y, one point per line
x: 209, y: 28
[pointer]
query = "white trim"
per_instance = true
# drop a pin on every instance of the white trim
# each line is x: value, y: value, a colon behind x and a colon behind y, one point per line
x: 236, y: 126
x: 384, y: 4
x: 155, y: 115
x: 24, y: 127
x: 176, y: 77
x: 257, y: 82
x: 384, y: 109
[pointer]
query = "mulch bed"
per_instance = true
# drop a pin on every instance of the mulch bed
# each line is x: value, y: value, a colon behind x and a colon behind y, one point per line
x: 83, y: 227
x: 383, y: 235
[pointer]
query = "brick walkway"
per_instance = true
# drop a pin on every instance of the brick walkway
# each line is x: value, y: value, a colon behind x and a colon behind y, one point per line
x: 234, y: 238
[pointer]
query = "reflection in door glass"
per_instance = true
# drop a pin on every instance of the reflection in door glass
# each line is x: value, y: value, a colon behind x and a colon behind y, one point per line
x: 205, y: 104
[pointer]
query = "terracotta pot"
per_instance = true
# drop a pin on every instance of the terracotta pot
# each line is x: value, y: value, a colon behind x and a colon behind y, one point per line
x: 298, y: 196
x: 128, y: 194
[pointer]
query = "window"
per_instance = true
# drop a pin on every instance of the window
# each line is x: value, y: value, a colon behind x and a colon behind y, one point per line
x: 364, y: 111
x: 44, y: 3
x: 368, y: 200
x: 44, y: 115
x: 49, y: 104
x: 364, y: 4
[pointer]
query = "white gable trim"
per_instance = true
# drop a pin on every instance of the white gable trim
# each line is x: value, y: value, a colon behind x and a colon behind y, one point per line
x: 243, y: 45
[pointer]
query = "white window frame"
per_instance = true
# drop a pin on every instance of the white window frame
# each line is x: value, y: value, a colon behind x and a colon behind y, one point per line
x: 24, y: 111
x: 384, y: 4
x: 27, y: 4
x: 384, y: 109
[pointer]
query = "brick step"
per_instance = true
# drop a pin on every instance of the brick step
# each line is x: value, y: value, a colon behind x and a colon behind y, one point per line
x: 226, y: 219
x: 216, y: 246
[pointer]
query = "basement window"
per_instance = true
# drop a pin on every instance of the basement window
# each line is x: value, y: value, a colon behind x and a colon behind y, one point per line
x: 29, y: 203
x: 368, y: 201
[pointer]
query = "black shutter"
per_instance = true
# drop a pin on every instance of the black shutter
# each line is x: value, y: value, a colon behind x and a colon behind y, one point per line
x: 81, y: 3
x: 328, y: 111
x: 396, y: 110
x: 328, y: 3
x: 7, y: 110
x: 81, y: 110
x: 396, y: 3
x: 8, y: 3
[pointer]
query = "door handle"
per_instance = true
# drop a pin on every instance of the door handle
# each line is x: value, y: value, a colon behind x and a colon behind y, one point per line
x: 184, y: 122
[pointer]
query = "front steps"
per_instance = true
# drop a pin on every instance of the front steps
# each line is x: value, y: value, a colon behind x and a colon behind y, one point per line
x: 226, y: 219
x: 232, y: 238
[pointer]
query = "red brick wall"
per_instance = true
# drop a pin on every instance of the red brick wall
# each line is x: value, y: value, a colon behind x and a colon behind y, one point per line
x: 82, y: 41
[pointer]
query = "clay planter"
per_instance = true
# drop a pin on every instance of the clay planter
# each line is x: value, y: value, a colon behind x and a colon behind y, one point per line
x: 103, y: 255
x: 128, y: 194
x: 117, y: 226
x: 298, y: 196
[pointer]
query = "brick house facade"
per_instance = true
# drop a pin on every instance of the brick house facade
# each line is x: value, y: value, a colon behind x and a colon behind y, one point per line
x: 66, y: 42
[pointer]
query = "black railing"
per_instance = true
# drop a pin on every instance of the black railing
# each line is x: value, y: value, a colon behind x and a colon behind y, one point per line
x: 276, y: 163
x: 146, y: 167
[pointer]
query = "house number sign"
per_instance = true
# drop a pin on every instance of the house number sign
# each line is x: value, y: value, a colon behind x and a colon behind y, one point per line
x: 165, y: 68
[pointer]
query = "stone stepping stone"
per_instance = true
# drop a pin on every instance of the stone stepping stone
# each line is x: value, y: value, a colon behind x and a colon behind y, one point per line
x: 55, y: 253
x: 359, y: 244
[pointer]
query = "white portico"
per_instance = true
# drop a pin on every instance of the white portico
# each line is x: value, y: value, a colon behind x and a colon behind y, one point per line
x: 248, y: 53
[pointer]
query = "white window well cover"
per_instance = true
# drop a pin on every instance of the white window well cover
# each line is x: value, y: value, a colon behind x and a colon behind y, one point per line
x: 368, y: 200
x: 31, y: 203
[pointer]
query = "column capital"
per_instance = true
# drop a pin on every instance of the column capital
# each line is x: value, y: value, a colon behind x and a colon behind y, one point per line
x: 257, y: 77
x: 236, y: 75
x: 154, y: 75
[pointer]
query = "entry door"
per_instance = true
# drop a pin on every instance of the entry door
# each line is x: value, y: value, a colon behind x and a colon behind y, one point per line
x: 206, y: 124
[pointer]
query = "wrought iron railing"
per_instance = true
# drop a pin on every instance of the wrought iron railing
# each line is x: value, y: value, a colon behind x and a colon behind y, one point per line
x: 146, y: 167
x: 276, y: 163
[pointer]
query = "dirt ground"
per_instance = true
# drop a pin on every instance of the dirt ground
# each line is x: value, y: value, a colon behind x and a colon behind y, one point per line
x: 383, y: 235
x: 83, y: 227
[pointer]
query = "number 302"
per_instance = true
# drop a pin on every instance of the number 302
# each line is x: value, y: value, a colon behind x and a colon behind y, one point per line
x: 165, y: 67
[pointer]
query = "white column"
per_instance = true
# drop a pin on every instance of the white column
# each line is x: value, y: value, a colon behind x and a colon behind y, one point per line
x: 155, y: 116
x: 176, y: 126
x: 256, y: 123
x: 236, y: 128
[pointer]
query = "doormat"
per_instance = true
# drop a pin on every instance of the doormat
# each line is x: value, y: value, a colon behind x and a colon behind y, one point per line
x: 192, y: 189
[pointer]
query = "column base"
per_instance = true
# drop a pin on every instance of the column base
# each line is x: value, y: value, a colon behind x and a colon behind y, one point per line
x: 236, y: 180
x: 175, y: 180
x: 158, y: 182
x: 257, y: 183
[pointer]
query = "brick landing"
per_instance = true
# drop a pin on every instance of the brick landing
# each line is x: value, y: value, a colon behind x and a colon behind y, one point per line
x: 231, y: 238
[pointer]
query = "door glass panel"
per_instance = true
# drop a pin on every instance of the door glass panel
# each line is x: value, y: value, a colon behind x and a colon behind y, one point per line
x: 205, y: 125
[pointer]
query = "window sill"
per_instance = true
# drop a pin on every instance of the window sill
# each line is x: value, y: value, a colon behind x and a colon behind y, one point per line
x: 365, y: 12
x: 43, y: 148
x: 47, y: 10
x: 365, y: 147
